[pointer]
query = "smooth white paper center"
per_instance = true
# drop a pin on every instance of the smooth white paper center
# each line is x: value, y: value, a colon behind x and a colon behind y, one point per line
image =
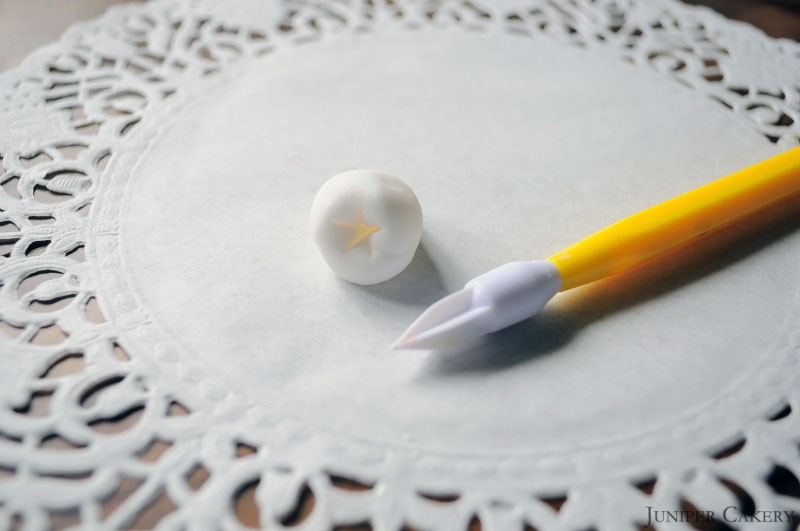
x: 515, y: 148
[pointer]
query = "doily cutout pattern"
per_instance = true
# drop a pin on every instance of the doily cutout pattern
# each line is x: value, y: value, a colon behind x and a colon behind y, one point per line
x: 93, y: 434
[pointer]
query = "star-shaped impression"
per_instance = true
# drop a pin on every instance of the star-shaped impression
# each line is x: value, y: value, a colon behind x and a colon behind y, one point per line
x: 362, y: 231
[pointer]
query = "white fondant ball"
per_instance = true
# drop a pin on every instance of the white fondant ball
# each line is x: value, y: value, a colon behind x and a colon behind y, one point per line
x: 367, y: 225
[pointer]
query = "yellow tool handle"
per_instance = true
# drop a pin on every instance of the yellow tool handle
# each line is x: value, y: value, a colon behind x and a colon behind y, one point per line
x: 660, y: 228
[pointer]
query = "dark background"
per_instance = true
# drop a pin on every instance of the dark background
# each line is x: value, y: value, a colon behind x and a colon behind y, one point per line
x: 779, y: 18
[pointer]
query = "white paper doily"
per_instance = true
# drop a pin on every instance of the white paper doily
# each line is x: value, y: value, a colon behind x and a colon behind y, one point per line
x: 159, y: 163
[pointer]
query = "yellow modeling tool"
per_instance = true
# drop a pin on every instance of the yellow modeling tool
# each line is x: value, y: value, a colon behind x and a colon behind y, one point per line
x: 518, y: 290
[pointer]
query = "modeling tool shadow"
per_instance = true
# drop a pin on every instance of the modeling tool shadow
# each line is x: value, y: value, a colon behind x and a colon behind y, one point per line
x: 684, y: 266
x: 569, y: 313
x: 548, y: 332
x: 417, y: 285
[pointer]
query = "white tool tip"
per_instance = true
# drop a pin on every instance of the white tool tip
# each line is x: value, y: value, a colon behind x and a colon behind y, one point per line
x: 497, y: 299
x: 449, y: 322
